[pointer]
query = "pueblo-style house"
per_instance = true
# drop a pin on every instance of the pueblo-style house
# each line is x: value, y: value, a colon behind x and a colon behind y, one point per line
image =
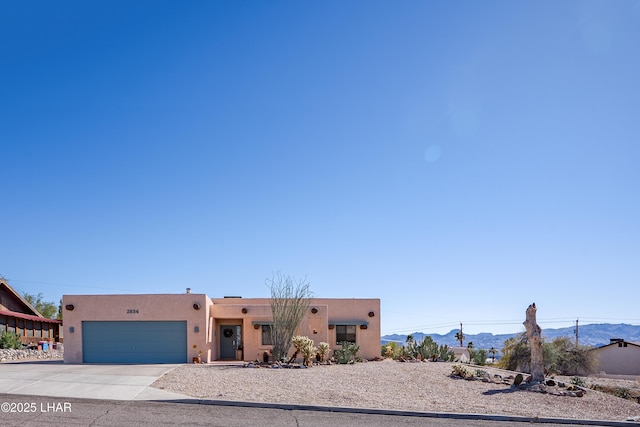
x: 176, y: 328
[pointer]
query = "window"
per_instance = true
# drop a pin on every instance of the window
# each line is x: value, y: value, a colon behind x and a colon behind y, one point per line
x: 266, y: 335
x: 345, y: 333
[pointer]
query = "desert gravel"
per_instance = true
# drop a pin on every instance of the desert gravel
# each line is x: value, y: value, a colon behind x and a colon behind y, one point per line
x: 422, y: 386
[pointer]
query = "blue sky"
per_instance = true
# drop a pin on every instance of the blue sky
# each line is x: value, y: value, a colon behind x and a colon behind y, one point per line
x: 458, y: 160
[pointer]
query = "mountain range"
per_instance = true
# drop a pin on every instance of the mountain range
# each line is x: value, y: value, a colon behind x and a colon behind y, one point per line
x: 594, y: 335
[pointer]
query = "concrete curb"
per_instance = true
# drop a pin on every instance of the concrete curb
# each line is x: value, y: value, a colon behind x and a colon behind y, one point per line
x: 445, y: 415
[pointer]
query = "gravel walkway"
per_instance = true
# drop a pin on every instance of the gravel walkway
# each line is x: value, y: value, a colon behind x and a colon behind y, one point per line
x: 424, y: 386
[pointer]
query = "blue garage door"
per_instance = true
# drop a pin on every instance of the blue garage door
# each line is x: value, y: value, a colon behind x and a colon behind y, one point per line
x: 134, y: 342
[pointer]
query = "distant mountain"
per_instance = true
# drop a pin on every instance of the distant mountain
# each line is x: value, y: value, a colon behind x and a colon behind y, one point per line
x: 593, y: 335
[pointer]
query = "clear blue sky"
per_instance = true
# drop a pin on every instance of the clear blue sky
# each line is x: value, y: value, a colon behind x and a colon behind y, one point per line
x: 458, y: 160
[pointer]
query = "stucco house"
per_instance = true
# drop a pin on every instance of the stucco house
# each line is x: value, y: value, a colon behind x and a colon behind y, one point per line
x: 17, y: 315
x: 619, y: 357
x: 175, y: 328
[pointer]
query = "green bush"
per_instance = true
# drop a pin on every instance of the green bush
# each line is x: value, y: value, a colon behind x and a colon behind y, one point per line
x: 445, y: 353
x: 10, y: 340
x: 428, y: 348
x: 348, y: 353
x: 623, y: 392
x: 478, y: 357
x: 576, y: 380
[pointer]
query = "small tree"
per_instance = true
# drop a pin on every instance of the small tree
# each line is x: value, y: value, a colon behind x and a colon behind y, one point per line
x: 516, y: 355
x: 10, y: 340
x: 46, y: 308
x: 428, y: 349
x: 290, y: 299
x: 493, y: 352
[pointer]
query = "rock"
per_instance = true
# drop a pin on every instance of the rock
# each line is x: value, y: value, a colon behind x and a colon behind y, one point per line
x: 550, y: 383
x: 8, y: 355
x: 518, y: 379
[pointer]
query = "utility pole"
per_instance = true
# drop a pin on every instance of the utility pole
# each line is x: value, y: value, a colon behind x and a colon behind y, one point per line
x: 576, y: 331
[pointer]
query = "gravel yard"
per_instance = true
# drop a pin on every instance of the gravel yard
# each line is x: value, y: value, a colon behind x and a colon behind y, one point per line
x: 387, y: 384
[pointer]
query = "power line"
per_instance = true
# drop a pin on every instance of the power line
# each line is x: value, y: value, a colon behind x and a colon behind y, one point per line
x: 551, y: 321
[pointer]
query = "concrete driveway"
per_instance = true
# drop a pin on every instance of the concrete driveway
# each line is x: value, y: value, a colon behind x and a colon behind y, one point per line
x: 55, y: 379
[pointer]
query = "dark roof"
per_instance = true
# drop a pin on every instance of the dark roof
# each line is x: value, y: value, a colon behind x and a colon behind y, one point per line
x: 635, y: 344
x: 28, y: 317
x: 24, y: 302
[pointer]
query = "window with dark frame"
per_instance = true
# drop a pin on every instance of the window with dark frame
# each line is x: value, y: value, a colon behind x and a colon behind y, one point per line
x: 345, y: 333
x: 266, y: 335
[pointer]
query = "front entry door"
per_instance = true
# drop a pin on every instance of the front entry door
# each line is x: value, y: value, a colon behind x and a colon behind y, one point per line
x: 230, y: 340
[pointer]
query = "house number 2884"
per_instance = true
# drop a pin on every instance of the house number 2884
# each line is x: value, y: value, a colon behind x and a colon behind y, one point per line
x: 132, y: 311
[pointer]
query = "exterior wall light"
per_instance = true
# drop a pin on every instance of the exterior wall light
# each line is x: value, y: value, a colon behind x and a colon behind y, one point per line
x: 314, y: 310
x: 363, y: 326
x: 244, y: 311
x: 256, y: 326
x: 196, y: 306
x: 332, y: 326
x: 371, y: 314
x: 69, y: 307
x: 71, y: 329
x: 196, y: 329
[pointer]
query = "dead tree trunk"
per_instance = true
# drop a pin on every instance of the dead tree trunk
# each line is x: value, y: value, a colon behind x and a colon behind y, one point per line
x: 534, y: 333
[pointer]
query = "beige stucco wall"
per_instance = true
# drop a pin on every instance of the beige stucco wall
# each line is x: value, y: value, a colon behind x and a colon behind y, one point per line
x: 217, y: 312
x: 356, y: 310
x: 228, y: 311
x: 619, y: 360
x: 149, y: 307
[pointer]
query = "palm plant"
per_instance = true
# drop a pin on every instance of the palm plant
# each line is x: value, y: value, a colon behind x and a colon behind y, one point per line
x: 493, y: 352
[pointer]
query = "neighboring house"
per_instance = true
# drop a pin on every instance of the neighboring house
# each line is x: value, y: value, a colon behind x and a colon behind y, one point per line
x: 461, y: 354
x: 17, y: 315
x: 175, y: 328
x: 619, y: 357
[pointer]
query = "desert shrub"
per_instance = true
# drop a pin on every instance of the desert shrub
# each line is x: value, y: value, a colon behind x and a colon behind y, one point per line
x: 564, y: 358
x: 597, y: 387
x: 323, y: 351
x: 427, y: 348
x: 391, y: 350
x: 348, y: 353
x: 561, y: 356
x: 10, y: 340
x: 576, y: 380
x: 478, y: 357
x: 305, y: 346
x: 461, y: 371
x: 623, y: 392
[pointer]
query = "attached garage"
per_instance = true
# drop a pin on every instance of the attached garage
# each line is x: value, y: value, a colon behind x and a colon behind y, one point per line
x: 134, y: 341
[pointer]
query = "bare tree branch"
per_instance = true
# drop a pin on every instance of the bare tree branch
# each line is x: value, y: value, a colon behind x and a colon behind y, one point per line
x: 290, y: 299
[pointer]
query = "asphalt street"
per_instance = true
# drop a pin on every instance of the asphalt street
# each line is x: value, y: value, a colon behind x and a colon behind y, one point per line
x: 38, y: 411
